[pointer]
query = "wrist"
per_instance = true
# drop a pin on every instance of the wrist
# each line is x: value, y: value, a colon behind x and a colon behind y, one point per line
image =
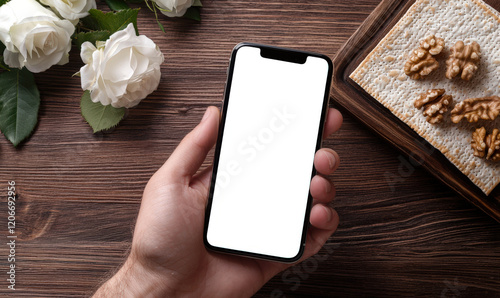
x: 134, y: 280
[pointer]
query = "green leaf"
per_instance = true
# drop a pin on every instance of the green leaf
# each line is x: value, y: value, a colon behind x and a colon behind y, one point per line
x: 19, y: 103
x: 2, y: 2
x: 161, y: 26
x: 193, y: 13
x: 117, y: 5
x: 91, y: 36
x: 113, y: 21
x: 89, y: 23
x: 197, y: 3
x: 98, y: 116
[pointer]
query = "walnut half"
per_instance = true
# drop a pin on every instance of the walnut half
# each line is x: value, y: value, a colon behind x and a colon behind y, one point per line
x: 487, y: 146
x: 463, y: 60
x: 434, y: 45
x: 473, y: 109
x: 421, y: 61
x: 435, y: 104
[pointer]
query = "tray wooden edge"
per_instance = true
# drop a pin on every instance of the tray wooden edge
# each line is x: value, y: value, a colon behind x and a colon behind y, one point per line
x: 368, y: 114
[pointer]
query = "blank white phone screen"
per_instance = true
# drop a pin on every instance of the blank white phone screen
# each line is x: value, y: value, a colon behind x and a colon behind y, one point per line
x: 266, y: 155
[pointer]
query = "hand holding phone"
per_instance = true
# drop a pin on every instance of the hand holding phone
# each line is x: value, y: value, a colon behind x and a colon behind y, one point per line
x: 167, y: 255
x: 272, y: 121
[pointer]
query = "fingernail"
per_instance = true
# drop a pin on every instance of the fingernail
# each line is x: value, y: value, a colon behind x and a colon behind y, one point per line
x: 331, y: 160
x: 205, y: 116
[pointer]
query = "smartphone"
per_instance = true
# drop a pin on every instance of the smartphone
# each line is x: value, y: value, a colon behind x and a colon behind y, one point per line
x: 274, y: 109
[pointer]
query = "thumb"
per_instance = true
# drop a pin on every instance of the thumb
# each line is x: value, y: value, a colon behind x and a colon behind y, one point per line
x: 193, y: 149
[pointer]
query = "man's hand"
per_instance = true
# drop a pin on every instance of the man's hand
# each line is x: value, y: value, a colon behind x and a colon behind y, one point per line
x: 168, y: 257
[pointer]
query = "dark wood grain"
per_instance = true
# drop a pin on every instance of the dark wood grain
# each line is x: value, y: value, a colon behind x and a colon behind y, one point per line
x: 80, y: 192
x: 359, y: 103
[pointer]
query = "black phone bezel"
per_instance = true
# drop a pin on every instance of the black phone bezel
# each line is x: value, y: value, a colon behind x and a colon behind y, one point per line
x: 289, y: 55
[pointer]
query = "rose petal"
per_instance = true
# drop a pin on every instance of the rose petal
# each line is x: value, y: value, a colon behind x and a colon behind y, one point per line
x: 118, y: 67
x: 86, y: 51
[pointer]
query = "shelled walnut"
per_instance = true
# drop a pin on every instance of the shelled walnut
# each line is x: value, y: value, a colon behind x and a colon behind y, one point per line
x: 435, y: 104
x: 421, y: 61
x: 463, y: 60
x: 487, y: 146
x: 473, y: 109
x: 434, y: 45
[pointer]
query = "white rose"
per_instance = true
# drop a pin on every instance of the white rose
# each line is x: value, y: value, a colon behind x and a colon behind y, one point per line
x: 71, y: 10
x: 33, y: 36
x: 174, y: 8
x: 123, y: 70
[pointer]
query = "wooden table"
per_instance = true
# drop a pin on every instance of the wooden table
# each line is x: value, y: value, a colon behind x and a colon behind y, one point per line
x: 79, y: 193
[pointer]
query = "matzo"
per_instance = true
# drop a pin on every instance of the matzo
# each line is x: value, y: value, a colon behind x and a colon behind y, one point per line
x: 381, y: 75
